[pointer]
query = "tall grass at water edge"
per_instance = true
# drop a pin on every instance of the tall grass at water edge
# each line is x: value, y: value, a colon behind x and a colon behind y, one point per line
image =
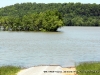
x: 88, y: 68
x: 9, y: 70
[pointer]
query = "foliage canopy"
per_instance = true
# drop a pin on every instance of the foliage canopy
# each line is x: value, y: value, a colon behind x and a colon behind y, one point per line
x: 48, y: 17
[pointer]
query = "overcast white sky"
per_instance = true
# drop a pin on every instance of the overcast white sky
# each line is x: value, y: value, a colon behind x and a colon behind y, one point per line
x: 4, y: 3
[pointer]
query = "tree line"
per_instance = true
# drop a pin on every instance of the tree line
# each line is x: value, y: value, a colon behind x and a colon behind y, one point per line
x: 43, y: 21
x: 70, y: 14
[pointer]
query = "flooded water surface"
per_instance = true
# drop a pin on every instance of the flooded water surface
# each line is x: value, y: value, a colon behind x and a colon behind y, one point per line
x: 65, y: 47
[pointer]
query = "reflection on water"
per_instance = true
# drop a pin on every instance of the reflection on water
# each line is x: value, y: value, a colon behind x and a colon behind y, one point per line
x: 69, y: 45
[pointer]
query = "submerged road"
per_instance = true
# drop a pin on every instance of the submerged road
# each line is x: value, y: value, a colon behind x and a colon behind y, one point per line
x: 47, y: 70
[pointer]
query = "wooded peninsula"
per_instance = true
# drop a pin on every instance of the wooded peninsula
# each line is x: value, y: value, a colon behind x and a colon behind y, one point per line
x: 48, y: 17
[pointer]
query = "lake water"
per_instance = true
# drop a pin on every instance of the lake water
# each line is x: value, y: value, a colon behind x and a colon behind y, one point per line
x: 65, y: 47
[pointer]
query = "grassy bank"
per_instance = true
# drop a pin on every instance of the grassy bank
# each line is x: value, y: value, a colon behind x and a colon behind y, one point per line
x: 88, y: 68
x: 9, y: 70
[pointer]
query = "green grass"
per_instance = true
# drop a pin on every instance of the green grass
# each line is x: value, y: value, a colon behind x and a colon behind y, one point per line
x: 88, y: 68
x: 9, y: 70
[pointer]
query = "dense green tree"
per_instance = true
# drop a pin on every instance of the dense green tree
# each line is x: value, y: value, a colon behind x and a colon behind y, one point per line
x: 48, y: 17
x: 43, y: 21
x: 52, y: 20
